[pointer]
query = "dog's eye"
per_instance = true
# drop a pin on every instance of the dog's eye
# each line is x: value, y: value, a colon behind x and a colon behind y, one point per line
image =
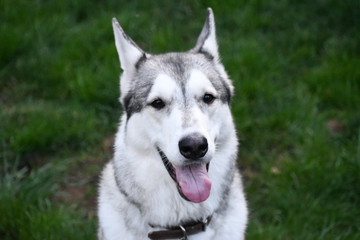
x: 158, y: 104
x: 208, y: 98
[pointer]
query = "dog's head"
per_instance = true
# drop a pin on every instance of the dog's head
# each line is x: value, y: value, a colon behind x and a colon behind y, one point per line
x: 177, y: 103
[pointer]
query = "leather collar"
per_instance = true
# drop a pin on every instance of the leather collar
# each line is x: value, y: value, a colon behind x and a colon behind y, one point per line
x: 181, y: 231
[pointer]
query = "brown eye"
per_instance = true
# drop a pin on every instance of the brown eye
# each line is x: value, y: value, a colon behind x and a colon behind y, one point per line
x: 158, y: 104
x: 208, y: 98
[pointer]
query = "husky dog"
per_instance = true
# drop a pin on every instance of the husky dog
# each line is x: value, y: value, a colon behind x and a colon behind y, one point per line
x: 174, y: 173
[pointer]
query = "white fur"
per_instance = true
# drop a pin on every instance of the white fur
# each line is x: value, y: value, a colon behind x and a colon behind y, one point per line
x: 199, y: 84
x: 137, y: 195
x: 210, y: 43
x: 163, y: 87
x: 130, y: 53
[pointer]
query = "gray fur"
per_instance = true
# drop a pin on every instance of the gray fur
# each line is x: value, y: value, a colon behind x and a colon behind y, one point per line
x: 137, y: 193
x: 205, y: 32
x: 177, y: 66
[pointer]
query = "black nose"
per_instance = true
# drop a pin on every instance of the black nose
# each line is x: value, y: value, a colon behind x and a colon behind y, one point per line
x: 193, y: 146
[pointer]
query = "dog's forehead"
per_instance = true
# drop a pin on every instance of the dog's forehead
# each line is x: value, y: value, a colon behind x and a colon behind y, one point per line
x: 193, y: 67
x: 198, y: 83
x: 179, y: 67
x: 164, y: 86
x: 167, y: 87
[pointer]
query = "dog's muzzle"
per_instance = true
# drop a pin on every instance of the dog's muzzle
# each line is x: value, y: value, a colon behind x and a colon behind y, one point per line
x: 192, y: 180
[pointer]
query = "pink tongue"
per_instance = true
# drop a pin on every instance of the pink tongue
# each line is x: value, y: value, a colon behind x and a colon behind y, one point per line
x: 194, y: 182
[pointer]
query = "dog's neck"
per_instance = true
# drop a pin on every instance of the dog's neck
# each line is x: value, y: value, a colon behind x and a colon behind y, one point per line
x: 181, y: 231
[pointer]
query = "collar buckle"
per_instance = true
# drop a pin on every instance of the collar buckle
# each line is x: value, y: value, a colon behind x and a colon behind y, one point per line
x: 185, y: 237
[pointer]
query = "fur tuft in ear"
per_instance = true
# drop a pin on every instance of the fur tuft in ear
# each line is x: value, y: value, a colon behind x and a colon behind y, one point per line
x: 206, y: 42
x: 129, y: 53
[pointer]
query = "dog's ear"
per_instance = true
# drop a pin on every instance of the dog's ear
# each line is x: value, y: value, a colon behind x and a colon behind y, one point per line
x: 206, y: 42
x: 129, y: 53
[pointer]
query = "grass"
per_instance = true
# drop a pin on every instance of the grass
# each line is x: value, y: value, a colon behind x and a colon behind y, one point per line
x: 295, y: 66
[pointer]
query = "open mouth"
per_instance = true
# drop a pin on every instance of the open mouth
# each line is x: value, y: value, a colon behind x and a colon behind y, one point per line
x: 192, y: 180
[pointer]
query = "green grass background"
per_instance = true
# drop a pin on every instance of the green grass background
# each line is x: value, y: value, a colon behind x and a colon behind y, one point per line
x: 296, y: 69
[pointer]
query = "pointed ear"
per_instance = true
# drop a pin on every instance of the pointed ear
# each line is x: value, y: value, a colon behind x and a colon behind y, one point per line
x: 206, y: 42
x: 129, y: 53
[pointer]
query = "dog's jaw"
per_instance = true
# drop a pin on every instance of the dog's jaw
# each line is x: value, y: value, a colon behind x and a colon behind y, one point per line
x: 192, y: 181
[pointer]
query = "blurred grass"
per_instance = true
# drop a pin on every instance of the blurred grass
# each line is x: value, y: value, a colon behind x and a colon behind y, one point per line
x: 295, y: 65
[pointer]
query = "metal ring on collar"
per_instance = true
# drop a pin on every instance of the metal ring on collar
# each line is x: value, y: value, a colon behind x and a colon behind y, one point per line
x: 185, y: 237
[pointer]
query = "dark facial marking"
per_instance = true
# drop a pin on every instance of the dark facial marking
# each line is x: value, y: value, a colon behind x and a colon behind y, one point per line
x: 135, y: 100
x: 141, y: 60
x: 207, y: 55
